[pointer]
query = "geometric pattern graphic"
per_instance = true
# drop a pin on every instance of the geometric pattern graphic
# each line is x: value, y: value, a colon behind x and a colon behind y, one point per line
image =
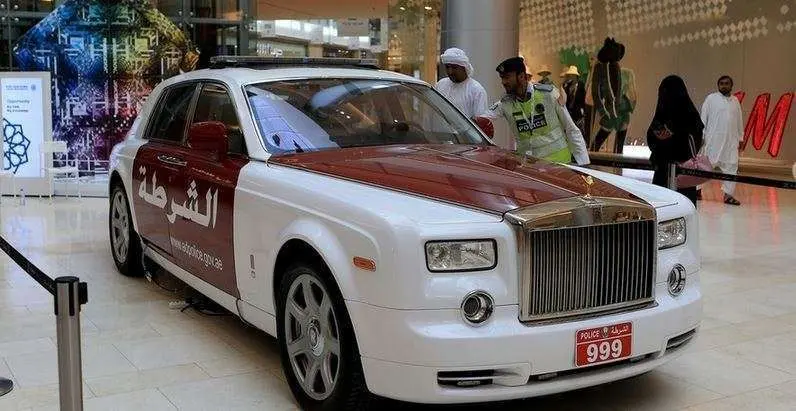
x: 725, y: 34
x: 568, y: 26
x: 17, y: 147
x: 639, y: 16
x: 787, y: 25
x: 557, y: 24
x: 105, y: 57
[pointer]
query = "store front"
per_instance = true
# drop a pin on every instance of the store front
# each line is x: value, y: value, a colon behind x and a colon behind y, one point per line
x: 699, y: 41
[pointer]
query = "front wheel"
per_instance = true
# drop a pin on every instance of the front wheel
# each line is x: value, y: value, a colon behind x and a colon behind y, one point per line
x: 125, y: 246
x: 318, y: 350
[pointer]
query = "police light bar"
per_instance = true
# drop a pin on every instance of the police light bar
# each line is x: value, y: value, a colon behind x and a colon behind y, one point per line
x: 257, y: 62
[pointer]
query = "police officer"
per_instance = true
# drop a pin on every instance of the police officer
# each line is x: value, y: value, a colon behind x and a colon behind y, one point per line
x: 542, y: 127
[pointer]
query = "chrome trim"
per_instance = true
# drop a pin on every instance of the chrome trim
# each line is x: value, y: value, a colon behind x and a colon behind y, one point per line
x: 485, y: 310
x: 580, y: 316
x: 574, y: 214
x: 175, y: 161
x: 580, y: 212
x: 680, y: 340
x: 680, y: 280
x: 462, y: 379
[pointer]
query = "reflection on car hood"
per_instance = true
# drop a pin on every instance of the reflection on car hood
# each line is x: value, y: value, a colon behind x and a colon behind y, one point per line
x: 482, y: 177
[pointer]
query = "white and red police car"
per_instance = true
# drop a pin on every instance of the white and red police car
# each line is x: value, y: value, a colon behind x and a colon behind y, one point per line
x: 393, y: 249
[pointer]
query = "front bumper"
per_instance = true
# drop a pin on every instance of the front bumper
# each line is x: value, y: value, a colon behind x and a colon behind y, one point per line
x: 403, y: 351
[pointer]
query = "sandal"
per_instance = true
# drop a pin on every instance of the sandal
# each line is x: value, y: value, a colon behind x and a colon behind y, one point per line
x: 728, y: 199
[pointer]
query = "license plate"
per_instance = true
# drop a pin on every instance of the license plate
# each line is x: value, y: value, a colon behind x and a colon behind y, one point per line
x: 603, y: 344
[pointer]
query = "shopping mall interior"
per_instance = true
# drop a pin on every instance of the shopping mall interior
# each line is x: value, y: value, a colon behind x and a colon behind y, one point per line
x: 80, y: 79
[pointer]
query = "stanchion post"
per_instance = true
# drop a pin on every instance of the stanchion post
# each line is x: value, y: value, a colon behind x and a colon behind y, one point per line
x: 70, y: 366
x: 671, y: 182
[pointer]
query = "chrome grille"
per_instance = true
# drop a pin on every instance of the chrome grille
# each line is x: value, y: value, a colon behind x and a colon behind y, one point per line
x: 579, y: 270
x: 582, y: 257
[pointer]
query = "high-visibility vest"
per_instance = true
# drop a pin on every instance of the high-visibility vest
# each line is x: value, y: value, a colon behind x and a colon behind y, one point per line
x: 536, y: 126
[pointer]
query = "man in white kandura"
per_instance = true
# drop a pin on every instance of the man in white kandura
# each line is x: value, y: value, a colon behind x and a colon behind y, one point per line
x: 459, y: 87
x: 723, y: 120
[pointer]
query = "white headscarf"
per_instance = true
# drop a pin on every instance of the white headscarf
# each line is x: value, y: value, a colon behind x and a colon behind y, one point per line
x: 457, y: 57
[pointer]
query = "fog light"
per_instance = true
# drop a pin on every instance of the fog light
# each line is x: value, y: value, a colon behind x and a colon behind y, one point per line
x: 676, y: 280
x: 477, y: 307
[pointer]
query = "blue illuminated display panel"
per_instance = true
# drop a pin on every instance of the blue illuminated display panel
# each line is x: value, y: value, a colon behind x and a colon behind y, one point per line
x: 105, y: 58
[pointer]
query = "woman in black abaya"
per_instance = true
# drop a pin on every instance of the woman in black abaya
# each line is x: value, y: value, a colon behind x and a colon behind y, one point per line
x: 675, y: 134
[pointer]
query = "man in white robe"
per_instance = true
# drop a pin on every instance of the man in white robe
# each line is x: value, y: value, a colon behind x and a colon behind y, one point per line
x: 467, y: 94
x: 723, y: 118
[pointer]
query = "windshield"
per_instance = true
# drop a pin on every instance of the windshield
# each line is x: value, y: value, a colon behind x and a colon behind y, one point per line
x: 319, y: 114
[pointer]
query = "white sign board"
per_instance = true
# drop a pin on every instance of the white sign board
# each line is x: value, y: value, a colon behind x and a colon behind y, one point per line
x: 353, y: 43
x: 316, y: 35
x: 266, y: 28
x: 353, y: 27
x: 26, y: 110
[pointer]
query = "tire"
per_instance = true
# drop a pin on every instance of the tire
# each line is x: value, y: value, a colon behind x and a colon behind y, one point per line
x: 125, y: 244
x: 321, y: 338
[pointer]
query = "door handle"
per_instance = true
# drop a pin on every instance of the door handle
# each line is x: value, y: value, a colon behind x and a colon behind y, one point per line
x: 172, y: 160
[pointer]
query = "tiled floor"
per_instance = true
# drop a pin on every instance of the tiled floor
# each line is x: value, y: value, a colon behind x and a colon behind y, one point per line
x: 141, y: 355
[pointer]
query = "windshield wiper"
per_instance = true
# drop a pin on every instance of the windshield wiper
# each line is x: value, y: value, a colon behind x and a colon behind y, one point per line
x: 298, y: 147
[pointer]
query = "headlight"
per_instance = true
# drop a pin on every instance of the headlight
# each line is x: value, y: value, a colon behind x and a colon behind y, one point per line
x: 474, y: 255
x: 671, y: 233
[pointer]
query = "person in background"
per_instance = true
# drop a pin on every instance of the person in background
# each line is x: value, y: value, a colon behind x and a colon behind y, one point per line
x: 614, y: 95
x: 467, y: 94
x: 723, y: 118
x: 675, y: 134
x: 575, y: 92
x: 542, y: 127
x: 544, y: 78
x: 544, y: 75
x: 589, y: 115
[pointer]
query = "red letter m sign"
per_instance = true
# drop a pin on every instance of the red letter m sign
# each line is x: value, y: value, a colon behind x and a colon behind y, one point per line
x: 760, y: 126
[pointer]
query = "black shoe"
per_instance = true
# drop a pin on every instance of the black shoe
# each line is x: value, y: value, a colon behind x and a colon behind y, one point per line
x: 728, y: 199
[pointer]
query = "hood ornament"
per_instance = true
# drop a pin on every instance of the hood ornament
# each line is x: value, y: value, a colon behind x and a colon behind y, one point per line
x: 589, y: 182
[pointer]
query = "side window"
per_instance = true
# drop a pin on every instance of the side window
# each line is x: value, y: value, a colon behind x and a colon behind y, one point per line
x: 215, y: 104
x: 172, y: 114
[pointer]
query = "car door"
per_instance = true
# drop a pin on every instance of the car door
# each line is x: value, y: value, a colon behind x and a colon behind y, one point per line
x: 156, y: 165
x: 204, y: 238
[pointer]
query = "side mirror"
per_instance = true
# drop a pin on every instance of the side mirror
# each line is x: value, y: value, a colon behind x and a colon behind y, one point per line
x: 209, y: 137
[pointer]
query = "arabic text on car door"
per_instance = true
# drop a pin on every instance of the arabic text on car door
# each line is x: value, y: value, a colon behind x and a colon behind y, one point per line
x: 202, y: 234
x: 156, y: 167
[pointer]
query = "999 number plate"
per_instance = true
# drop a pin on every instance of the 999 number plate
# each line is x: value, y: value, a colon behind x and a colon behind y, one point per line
x: 603, y: 344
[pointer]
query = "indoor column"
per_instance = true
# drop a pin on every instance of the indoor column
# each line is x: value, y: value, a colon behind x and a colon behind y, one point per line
x: 488, y: 31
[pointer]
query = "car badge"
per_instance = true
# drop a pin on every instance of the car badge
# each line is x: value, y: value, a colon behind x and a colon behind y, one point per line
x: 589, y: 182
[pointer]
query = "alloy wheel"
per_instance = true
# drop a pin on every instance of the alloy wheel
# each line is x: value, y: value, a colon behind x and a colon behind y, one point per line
x: 312, y: 337
x: 120, y: 226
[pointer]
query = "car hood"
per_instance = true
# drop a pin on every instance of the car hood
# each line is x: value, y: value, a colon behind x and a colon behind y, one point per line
x: 482, y: 177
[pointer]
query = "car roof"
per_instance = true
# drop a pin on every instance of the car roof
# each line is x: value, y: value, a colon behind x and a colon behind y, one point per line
x: 243, y: 76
